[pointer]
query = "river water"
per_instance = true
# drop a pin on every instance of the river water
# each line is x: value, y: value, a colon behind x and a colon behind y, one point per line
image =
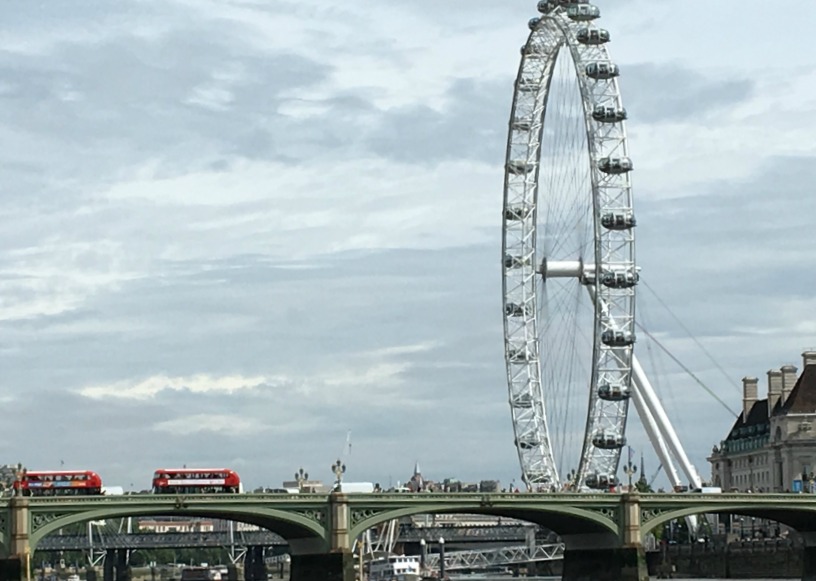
x: 506, y: 578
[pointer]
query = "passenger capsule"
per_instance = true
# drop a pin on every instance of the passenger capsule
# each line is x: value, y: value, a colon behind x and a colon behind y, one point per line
x: 602, y: 71
x: 516, y: 310
x: 593, y: 36
x: 619, y: 279
x: 613, y: 392
x: 618, y: 220
x: 615, y: 165
x: 546, y: 6
x: 617, y: 338
x: 600, y: 481
x: 534, y: 22
x: 517, y: 212
x: 519, y: 167
x: 608, y: 441
x: 604, y: 114
x: 583, y: 12
x: 570, y: 2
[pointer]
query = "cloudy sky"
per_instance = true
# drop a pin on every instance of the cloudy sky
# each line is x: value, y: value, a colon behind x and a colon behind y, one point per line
x: 233, y: 230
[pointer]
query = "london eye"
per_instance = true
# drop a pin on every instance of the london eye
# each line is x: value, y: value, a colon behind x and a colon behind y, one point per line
x: 568, y: 261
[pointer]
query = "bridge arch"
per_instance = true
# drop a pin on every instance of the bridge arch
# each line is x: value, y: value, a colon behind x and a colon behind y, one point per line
x: 801, y: 518
x: 562, y: 519
x: 287, y: 524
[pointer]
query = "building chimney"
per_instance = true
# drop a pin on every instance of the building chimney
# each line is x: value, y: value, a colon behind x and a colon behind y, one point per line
x: 774, y: 389
x: 788, y: 381
x: 749, y: 395
x: 809, y: 358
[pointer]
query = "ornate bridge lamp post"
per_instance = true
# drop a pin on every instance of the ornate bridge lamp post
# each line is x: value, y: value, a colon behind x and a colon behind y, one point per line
x: 339, y: 469
x: 301, y: 477
x: 630, y: 470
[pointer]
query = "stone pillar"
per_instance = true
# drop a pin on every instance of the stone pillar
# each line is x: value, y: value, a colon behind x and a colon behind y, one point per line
x: 340, y: 518
x: 20, y: 546
x: 311, y: 561
x: 808, y: 556
x: 109, y: 565
x: 325, y: 567
x: 123, y: 572
x: 602, y: 556
x: 254, y: 565
x: 249, y: 565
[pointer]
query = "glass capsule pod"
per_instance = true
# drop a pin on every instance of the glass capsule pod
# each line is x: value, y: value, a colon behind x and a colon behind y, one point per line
x: 618, y: 220
x: 606, y: 441
x: 615, y: 165
x: 602, y: 71
x: 617, y: 338
x: 519, y: 167
x: 546, y: 6
x: 605, y: 114
x: 619, y: 278
x: 534, y: 22
x: 613, y: 392
x: 600, y: 481
x: 583, y: 12
x: 592, y: 36
x: 516, y: 310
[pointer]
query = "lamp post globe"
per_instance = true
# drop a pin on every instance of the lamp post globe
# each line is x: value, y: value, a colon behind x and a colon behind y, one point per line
x: 339, y: 469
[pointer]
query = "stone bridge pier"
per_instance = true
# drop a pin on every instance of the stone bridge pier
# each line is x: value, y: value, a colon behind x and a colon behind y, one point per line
x: 809, y: 556
x: 310, y: 559
x: 606, y: 556
x: 17, y: 565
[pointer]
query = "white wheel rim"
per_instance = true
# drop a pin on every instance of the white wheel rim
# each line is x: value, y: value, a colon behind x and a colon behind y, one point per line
x: 533, y: 235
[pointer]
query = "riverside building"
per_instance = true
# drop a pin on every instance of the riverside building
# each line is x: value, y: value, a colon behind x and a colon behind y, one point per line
x: 772, y: 445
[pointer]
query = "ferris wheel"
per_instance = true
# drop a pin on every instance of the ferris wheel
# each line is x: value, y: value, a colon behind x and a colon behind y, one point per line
x: 569, y: 272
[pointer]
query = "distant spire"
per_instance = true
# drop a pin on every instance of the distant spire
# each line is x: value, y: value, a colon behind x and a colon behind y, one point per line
x: 642, y: 479
x: 417, y: 471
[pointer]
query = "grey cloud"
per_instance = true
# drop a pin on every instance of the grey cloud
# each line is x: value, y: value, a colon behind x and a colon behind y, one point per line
x: 129, y: 102
x: 672, y: 92
x: 472, y: 125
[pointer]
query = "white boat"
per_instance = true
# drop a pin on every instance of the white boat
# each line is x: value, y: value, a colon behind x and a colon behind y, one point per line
x: 394, y: 568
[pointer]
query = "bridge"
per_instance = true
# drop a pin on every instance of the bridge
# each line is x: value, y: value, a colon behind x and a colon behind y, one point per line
x: 601, y: 532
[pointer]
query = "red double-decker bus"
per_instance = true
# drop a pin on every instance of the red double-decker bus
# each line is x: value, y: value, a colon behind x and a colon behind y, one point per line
x: 196, y: 481
x: 58, y: 483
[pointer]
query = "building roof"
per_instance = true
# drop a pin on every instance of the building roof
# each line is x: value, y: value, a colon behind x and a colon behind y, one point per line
x: 758, y: 415
x: 802, y: 399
